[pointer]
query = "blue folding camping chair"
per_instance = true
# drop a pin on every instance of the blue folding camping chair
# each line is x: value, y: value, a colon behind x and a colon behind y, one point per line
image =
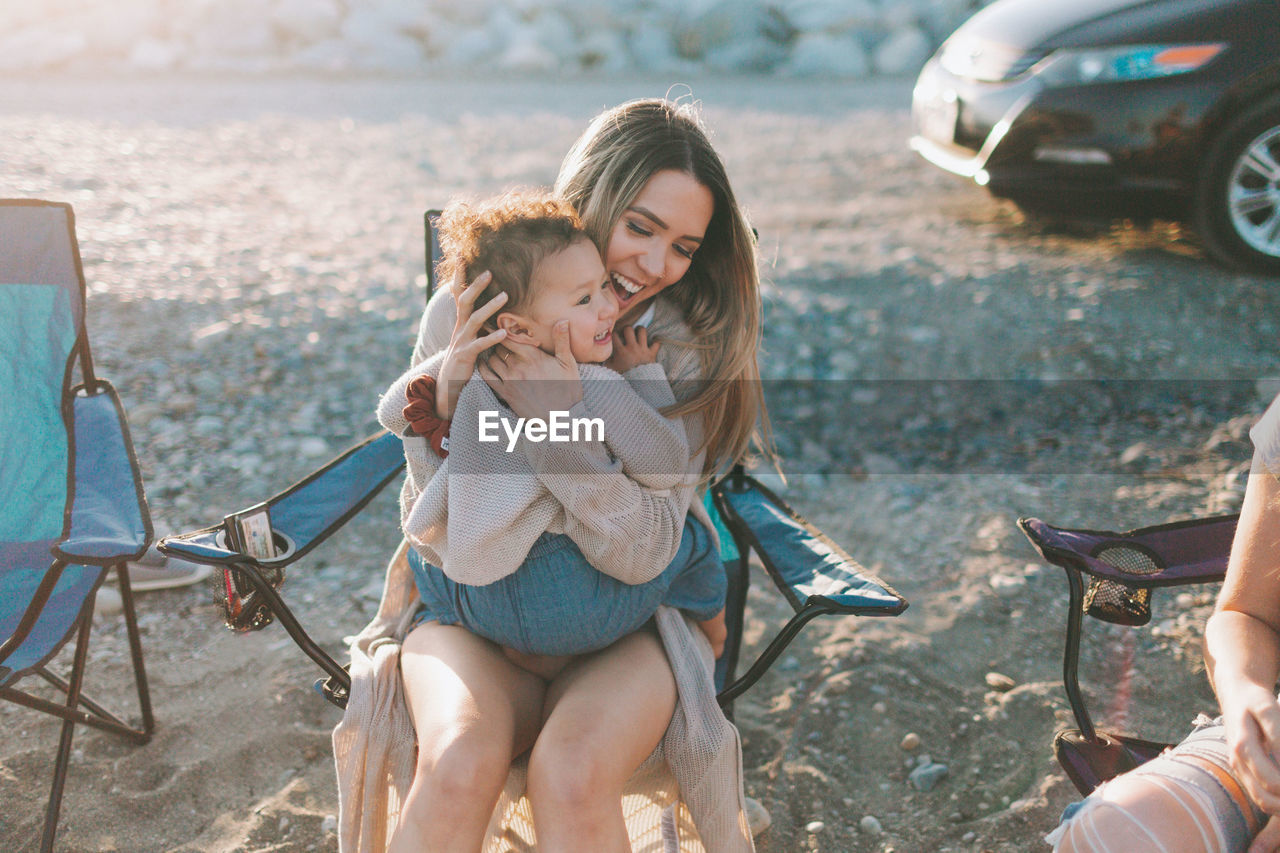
x: 812, y: 572
x: 73, y: 501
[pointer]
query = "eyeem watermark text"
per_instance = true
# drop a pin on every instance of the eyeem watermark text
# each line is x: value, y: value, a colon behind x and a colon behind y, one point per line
x: 560, y: 427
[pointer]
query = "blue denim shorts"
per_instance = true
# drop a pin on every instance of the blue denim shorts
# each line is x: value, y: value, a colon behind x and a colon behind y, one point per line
x: 557, y: 603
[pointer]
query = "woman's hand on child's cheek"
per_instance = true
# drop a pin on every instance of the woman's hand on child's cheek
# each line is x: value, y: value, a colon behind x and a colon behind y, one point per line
x: 532, y: 382
x: 466, y: 344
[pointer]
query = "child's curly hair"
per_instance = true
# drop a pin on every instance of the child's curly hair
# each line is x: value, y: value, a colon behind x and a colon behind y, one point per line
x: 508, y: 236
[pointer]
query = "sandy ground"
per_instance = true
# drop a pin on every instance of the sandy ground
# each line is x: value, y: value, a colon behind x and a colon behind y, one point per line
x: 254, y: 256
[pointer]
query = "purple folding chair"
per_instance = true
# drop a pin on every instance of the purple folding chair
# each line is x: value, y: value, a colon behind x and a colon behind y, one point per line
x: 1123, y: 569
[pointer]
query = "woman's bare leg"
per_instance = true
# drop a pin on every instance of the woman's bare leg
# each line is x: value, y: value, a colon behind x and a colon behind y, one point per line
x: 605, y: 714
x: 473, y: 711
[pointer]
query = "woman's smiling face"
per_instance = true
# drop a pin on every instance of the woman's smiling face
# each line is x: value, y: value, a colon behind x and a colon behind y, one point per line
x: 654, y: 241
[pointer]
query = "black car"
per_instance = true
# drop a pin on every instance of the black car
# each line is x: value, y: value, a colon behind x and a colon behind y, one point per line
x: 1165, y: 108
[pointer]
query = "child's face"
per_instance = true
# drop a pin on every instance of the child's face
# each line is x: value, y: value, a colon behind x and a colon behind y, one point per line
x: 569, y: 285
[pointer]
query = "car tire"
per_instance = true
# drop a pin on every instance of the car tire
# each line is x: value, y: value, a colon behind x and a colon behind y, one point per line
x: 1237, y: 199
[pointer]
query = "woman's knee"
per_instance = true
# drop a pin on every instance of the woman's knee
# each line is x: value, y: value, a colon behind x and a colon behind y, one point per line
x: 572, y: 772
x: 462, y: 767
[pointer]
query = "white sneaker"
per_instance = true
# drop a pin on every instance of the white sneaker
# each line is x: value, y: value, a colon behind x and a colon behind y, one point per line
x: 156, y: 571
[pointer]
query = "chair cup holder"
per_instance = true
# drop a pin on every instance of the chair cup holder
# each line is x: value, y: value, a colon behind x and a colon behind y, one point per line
x: 1118, y: 603
x: 285, y: 547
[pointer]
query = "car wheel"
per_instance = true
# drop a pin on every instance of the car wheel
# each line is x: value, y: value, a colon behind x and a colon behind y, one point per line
x: 1237, y: 202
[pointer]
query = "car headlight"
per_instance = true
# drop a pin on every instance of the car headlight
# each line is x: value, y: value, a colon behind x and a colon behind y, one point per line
x: 1130, y: 62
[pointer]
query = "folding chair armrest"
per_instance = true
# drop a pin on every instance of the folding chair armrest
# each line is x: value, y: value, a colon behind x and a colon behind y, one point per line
x: 307, y: 512
x: 104, y: 526
x: 812, y: 572
x: 1182, y: 552
x: 809, y: 569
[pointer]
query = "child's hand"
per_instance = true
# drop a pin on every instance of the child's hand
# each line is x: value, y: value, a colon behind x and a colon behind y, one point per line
x: 631, y: 347
x: 717, y: 632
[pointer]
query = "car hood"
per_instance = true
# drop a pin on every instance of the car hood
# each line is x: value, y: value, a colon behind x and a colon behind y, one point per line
x: 1049, y: 24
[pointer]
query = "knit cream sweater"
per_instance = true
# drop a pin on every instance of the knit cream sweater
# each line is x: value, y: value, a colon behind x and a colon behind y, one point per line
x: 688, y: 793
x: 476, y: 513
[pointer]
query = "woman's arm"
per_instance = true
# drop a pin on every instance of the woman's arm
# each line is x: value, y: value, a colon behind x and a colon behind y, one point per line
x: 1242, y: 641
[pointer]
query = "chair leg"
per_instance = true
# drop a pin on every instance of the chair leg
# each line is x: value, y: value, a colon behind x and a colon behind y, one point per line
x: 135, y: 649
x: 1071, y: 655
x: 68, y: 731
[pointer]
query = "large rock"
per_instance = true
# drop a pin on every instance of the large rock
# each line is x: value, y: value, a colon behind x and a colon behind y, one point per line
x: 904, y: 52
x: 40, y: 47
x: 830, y: 16
x: 376, y: 43
x: 525, y: 53
x: 306, y: 21
x: 555, y: 32
x: 474, y: 46
x: 896, y: 16
x: 222, y: 33
x: 155, y: 55
x: 727, y: 23
x: 471, y: 13
x: 471, y: 47
x: 756, y: 54
x: 827, y: 55
x: 604, y: 50
x: 113, y: 30
x: 652, y: 48
x: 945, y: 15
x: 331, y: 55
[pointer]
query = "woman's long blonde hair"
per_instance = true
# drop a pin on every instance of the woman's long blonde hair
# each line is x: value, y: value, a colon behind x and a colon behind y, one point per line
x: 719, y: 295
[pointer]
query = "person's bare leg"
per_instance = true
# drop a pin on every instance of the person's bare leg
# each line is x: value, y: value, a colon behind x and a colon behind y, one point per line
x: 605, y: 714
x: 473, y: 711
x: 1143, y: 814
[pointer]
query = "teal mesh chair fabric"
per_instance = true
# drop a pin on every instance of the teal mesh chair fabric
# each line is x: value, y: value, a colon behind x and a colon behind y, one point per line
x: 36, y: 340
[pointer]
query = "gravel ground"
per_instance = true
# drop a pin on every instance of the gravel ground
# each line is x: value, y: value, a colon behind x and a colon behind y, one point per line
x: 937, y: 366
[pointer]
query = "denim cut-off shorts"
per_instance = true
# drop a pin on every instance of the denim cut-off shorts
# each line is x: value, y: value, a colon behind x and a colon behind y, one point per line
x: 557, y: 603
x: 1199, y: 764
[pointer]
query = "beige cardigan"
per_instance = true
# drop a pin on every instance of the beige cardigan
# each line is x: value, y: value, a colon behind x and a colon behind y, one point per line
x: 688, y: 794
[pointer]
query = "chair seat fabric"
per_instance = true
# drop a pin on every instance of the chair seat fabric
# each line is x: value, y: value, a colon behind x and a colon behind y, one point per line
x: 22, y: 568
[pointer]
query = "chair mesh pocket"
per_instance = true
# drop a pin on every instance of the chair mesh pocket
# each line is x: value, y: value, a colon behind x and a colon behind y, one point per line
x: 1117, y: 602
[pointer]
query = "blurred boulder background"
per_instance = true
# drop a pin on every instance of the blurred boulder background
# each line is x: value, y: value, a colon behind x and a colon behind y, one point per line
x: 800, y: 38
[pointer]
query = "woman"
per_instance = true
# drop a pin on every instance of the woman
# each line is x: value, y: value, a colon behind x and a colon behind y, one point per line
x: 654, y: 197
x: 1219, y: 790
